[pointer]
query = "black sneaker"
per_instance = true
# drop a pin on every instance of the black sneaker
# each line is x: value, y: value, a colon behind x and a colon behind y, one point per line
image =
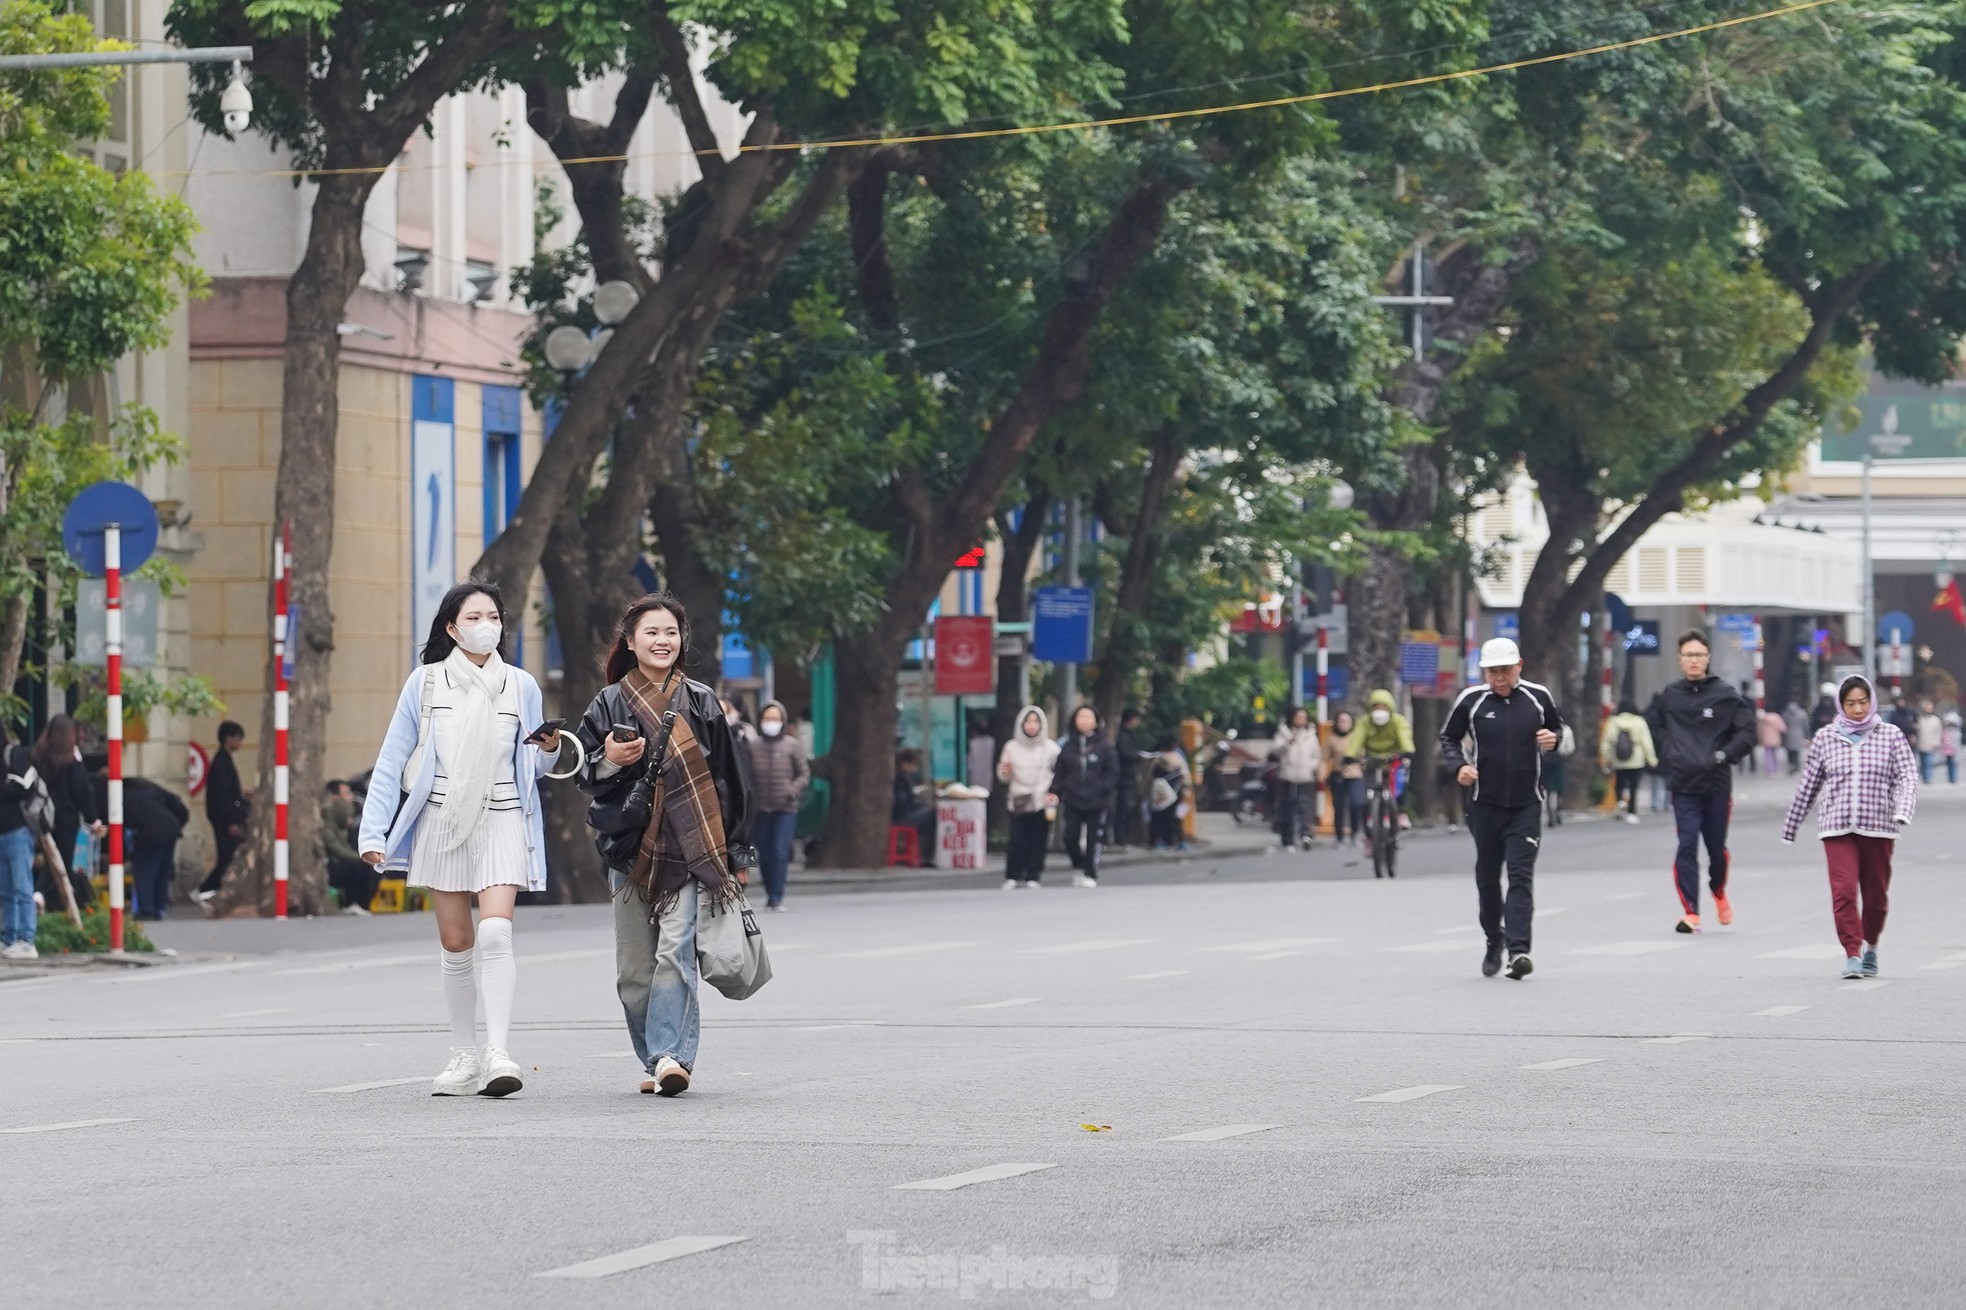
x: 1491, y: 960
x: 1521, y: 967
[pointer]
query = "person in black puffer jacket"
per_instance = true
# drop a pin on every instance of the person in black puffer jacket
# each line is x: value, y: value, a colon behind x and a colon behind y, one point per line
x: 1086, y: 779
x: 1702, y: 727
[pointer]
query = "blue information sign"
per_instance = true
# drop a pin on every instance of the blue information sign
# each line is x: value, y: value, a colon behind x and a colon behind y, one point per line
x: 1061, y: 625
x: 1508, y: 625
x: 1337, y: 684
x: 98, y: 507
x: 1896, y: 621
x: 1642, y: 637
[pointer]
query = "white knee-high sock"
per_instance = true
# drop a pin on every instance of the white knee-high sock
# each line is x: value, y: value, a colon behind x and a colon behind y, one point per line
x: 501, y: 977
x: 461, y: 998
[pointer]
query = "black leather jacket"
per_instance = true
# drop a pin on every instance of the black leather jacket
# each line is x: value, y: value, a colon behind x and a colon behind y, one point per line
x: 729, y: 768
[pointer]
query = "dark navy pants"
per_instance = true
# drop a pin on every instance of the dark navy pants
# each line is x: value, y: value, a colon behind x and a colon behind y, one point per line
x: 1701, y: 816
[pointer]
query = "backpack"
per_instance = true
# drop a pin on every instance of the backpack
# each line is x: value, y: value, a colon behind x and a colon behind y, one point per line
x: 1622, y: 747
x: 37, y: 808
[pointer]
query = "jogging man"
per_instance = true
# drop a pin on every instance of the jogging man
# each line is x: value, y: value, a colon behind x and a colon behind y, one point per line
x: 1495, y: 738
x: 1702, y: 727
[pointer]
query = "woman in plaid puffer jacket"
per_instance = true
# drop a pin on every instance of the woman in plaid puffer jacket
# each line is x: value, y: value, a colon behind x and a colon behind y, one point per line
x: 1867, y: 777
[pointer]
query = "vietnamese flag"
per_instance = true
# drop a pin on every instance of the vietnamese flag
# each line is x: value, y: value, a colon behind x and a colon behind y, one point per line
x: 1951, y: 602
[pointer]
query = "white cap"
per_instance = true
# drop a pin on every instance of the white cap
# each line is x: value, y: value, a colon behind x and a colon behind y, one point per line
x: 1499, y: 652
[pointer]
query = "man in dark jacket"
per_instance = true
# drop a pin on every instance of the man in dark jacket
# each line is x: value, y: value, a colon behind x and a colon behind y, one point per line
x: 1701, y: 727
x: 153, y: 820
x: 1086, y: 778
x: 225, y: 806
x: 1495, y: 738
x: 910, y: 809
x: 1126, y: 800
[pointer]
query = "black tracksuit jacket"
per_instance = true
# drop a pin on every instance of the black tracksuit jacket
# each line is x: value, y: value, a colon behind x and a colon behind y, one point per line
x: 1502, y: 729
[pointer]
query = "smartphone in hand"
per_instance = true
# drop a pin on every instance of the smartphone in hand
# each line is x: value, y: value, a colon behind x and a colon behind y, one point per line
x: 625, y: 733
x: 547, y: 731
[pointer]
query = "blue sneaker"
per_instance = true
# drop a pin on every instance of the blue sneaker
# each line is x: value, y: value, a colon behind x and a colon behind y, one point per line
x: 1853, y: 967
x: 1870, y: 963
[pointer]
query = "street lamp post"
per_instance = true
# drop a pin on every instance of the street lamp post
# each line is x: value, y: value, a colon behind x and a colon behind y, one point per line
x: 1339, y: 496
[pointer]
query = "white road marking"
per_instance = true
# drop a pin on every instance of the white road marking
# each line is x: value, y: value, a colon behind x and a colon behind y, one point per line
x: 377, y: 962
x: 72, y: 1123
x: 1629, y: 948
x: 156, y: 972
x: 1414, y: 1093
x: 1626, y: 896
x: 1778, y: 1011
x: 1217, y: 1134
x: 1813, y: 951
x: 917, y: 948
x: 639, y: 1257
x: 1005, y: 1005
x: 1158, y: 973
x: 370, y: 1087
x: 1677, y: 1038
x: 989, y: 1173
x: 1102, y: 944
x: 1271, y: 944
x: 251, y: 1014
x: 1430, y: 947
x: 835, y: 1027
x: 1573, y: 1062
x: 1944, y: 964
x: 1275, y: 955
x: 1867, y: 985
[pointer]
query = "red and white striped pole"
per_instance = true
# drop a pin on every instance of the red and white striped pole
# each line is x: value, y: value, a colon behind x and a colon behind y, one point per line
x: 112, y: 627
x: 1323, y: 673
x: 1760, y: 686
x: 282, y: 561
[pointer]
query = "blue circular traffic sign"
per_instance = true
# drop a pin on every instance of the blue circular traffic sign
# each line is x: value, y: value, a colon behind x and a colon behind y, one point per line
x: 105, y: 505
x: 1896, y: 621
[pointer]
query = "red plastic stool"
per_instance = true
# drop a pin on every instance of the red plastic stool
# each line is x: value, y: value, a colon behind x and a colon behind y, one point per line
x: 904, y: 847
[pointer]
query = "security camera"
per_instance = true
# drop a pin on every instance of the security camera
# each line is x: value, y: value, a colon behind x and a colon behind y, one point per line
x: 236, y: 104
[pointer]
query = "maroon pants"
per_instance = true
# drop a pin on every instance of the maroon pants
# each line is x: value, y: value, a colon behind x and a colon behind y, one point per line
x: 1858, y: 866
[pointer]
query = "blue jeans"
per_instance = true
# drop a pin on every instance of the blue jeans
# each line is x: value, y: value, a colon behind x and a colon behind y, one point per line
x: 17, y: 886
x: 772, y: 830
x: 1926, y: 759
x: 655, y: 974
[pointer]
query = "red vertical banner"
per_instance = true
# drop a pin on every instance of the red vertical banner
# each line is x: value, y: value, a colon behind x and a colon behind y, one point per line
x: 965, y: 655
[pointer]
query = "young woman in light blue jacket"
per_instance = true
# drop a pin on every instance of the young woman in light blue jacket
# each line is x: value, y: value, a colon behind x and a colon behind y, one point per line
x: 455, y: 802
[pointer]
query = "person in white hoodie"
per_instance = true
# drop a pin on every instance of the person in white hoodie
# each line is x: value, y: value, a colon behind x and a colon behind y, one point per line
x: 1300, y: 758
x: 1026, y: 763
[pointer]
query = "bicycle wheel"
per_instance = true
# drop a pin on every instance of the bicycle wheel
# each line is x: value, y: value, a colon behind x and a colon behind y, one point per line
x: 1391, y: 842
x: 1375, y: 829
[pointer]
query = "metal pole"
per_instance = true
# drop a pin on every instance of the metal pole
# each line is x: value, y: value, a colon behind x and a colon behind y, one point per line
x: 218, y: 54
x: 282, y: 563
x: 1760, y: 683
x: 1868, y: 641
x: 1296, y: 696
x: 1323, y: 674
x: 1068, y: 695
x: 112, y: 589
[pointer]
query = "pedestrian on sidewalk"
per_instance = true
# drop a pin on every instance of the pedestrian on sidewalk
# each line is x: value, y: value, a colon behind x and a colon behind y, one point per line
x: 153, y: 821
x: 1347, y: 781
x: 1300, y: 761
x: 1862, y: 768
x: 1949, y: 743
x: 781, y: 774
x: 20, y: 783
x: 1771, y: 728
x: 1168, y: 796
x: 227, y: 807
x: 353, y: 878
x: 1086, y: 778
x: 1823, y: 713
x: 1931, y: 737
x: 59, y: 760
x: 1026, y: 766
x: 1511, y: 725
x: 1703, y: 727
x: 454, y: 802
x: 1626, y: 750
x: 1126, y: 800
x: 659, y: 750
x: 1795, y: 734
x: 910, y: 807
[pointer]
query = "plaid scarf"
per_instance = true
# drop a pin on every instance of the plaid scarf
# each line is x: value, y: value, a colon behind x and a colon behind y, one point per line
x: 685, y: 837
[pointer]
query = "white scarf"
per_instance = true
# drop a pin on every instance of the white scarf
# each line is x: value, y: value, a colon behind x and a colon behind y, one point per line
x: 475, y: 718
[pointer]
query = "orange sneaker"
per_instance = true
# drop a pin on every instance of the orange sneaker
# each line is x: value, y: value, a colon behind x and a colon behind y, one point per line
x: 1723, y: 908
x: 1690, y: 923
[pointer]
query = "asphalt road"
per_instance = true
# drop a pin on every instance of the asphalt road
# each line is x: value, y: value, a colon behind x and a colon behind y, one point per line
x: 1649, y: 1120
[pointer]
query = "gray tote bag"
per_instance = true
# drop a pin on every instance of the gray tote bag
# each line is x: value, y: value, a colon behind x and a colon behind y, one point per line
x: 730, y: 950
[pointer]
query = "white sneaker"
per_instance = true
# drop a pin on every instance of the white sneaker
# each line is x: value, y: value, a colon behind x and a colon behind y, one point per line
x: 671, y: 1079
x: 460, y: 1076
x: 1031, y: 886
x: 18, y: 951
x: 355, y: 910
x: 1010, y: 884
x: 501, y: 1073
x: 1080, y: 880
x: 28, y: 951
x: 1631, y: 818
x: 202, y: 897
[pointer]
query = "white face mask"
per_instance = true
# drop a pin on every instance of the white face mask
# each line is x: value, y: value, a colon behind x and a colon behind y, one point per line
x: 480, y: 638
x: 1382, y: 717
x: 771, y: 727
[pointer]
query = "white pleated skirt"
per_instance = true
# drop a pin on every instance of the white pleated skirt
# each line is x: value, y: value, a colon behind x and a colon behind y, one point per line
x: 494, y: 853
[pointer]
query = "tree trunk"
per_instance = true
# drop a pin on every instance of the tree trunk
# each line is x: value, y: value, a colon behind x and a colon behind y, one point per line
x: 304, y: 499
x: 13, y: 639
x: 860, y: 766
x: 1013, y: 606
x: 1550, y: 605
x: 1127, y: 649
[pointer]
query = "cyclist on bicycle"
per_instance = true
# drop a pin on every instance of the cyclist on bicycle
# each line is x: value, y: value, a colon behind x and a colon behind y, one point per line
x: 1386, y: 732
x: 1496, y: 736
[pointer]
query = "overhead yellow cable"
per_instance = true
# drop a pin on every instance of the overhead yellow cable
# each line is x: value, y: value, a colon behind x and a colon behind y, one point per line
x: 1130, y: 120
